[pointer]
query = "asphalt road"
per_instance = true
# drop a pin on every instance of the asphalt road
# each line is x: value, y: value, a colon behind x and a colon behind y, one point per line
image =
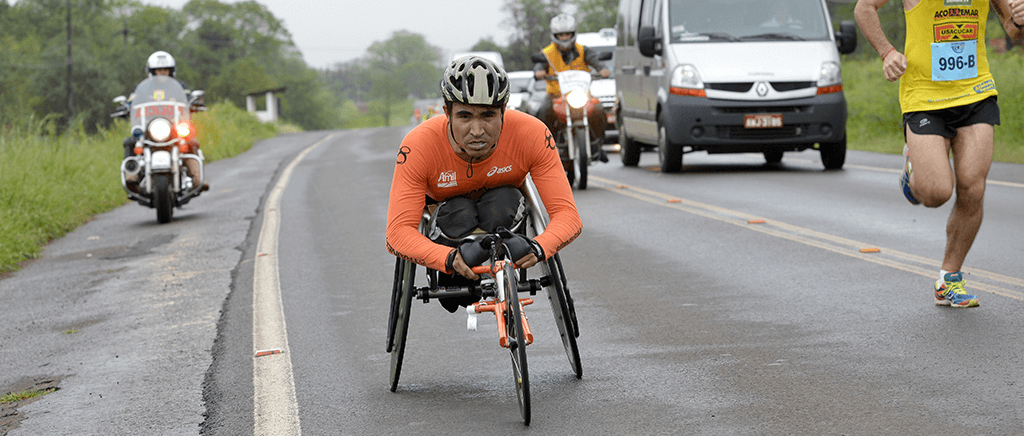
x: 694, y: 320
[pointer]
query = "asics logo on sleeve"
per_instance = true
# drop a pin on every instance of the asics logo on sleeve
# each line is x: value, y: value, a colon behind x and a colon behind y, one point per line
x: 496, y: 170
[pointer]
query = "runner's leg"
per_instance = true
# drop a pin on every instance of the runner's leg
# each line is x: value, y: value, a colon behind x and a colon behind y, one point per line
x: 972, y: 158
x: 932, y: 178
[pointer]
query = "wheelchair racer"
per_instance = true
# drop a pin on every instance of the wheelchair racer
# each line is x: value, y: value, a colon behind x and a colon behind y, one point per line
x: 471, y: 164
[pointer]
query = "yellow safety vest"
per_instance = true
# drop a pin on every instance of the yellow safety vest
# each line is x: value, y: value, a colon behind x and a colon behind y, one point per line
x: 557, y: 65
x: 947, y: 64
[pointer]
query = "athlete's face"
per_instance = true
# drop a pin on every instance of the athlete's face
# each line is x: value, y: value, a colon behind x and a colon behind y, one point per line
x: 475, y: 128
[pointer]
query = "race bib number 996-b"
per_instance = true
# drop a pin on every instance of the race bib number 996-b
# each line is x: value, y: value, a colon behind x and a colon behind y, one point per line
x: 954, y: 60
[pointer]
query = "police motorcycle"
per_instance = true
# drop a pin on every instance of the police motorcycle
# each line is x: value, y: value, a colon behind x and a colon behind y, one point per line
x: 573, y: 110
x: 156, y: 175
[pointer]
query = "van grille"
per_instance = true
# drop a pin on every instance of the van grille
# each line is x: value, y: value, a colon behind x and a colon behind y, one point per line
x: 738, y: 132
x: 731, y: 87
x: 792, y: 86
x: 762, y: 109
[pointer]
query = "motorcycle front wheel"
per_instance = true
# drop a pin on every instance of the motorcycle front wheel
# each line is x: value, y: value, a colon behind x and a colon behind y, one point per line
x: 582, y: 156
x: 163, y: 198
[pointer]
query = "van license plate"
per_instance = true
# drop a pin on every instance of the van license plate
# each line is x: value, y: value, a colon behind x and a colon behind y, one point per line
x: 762, y: 121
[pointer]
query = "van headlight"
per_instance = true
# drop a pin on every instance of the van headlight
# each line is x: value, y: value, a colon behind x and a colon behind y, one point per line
x: 830, y: 74
x: 686, y: 81
x: 159, y: 130
x: 576, y: 98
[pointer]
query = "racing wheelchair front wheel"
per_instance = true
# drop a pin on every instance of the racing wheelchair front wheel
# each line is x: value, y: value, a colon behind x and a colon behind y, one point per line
x: 516, y: 341
x: 398, y: 322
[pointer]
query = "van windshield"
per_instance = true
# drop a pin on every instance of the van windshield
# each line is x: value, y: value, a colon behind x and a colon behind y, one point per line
x: 747, y: 20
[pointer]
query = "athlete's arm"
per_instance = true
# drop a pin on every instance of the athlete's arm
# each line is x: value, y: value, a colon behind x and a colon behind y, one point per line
x: 405, y: 209
x: 894, y: 63
x: 1011, y: 15
x: 549, y: 177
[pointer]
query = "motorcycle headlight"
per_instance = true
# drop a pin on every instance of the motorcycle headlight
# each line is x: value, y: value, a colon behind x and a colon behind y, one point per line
x: 576, y: 99
x: 160, y: 130
x: 184, y: 130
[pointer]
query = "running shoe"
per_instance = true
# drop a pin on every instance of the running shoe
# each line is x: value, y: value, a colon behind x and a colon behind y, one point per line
x: 905, y: 180
x: 949, y: 291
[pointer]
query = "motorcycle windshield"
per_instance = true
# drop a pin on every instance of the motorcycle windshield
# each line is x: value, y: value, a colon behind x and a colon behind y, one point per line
x: 573, y: 79
x: 159, y: 96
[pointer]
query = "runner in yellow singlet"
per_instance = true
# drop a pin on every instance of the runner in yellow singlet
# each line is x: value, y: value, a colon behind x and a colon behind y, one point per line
x: 948, y: 99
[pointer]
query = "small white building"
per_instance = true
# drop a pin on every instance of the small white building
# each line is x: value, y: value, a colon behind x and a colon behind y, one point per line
x: 272, y: 107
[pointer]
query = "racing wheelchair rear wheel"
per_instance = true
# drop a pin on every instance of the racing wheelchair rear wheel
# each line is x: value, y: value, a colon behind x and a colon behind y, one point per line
x: 398, y: 322
x: 564, y: 310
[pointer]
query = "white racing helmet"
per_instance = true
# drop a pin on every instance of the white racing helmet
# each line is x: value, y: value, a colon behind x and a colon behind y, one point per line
x: 563, y: 23
x: 159, y: 59
x: 475, y: 80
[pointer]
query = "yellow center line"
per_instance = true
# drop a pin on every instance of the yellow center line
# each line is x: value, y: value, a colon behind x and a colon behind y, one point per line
x: 886, y: 257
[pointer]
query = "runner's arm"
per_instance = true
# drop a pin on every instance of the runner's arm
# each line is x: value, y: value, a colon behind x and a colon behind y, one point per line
x: 1011, y: 15
x: 894, y: 63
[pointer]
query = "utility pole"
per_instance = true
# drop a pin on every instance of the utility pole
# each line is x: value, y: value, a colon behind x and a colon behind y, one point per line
x: 70, y: 99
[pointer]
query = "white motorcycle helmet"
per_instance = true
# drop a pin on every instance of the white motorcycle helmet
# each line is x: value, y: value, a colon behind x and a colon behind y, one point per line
x: 563, y: 23
x: 158, y: 60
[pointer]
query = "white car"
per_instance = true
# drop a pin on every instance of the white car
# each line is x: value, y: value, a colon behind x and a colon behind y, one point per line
x: 519, y: 81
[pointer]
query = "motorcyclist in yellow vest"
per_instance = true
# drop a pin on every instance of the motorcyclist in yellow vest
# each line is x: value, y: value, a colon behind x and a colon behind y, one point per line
x: 565, y: 54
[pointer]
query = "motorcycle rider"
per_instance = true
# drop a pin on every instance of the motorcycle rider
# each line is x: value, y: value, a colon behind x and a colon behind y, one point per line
x: 564, y: 54
x: 161, y: 63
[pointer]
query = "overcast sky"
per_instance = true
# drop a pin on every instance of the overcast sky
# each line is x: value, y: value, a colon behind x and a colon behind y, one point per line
x: 329, y: 31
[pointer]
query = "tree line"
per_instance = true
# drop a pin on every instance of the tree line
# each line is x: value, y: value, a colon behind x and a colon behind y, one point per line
x: 67, y: 59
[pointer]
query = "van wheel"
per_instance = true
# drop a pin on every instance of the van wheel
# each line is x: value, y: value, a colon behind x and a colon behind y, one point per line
x: 670, y: 155
x: 629, y: 149
x: 833, y: 154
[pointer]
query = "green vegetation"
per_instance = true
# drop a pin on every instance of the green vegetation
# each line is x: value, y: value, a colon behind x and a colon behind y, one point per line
x: 51, y: 184
x: 876, y: 124
x: 14, y: 397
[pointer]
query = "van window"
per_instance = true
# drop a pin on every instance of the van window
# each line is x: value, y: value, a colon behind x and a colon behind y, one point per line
x: 747, y: 20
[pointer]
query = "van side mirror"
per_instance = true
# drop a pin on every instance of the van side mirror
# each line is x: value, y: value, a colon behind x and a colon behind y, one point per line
x: 846, y: 37
x: 120, y: 100
x: 648, y: 42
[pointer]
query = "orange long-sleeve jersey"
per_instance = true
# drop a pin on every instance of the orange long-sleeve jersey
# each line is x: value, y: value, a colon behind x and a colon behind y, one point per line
x: 428, y: 167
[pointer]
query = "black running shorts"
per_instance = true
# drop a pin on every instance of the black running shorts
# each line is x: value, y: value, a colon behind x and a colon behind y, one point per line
x: 944, y: 122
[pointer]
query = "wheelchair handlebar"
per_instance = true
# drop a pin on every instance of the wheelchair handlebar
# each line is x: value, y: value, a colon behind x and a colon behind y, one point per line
x: 486, y: 269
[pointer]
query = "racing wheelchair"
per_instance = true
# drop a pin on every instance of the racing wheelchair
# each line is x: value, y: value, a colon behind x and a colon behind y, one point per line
x: 500, y: 284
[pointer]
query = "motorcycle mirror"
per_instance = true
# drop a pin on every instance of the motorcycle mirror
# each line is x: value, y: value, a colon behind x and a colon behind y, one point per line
x: 196, y: 96
x: 120, y: 99
x: 538, y: 58
x: 605, y: 56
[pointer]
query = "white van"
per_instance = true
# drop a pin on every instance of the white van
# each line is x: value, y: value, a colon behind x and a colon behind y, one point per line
x: 730, y: 76
x: 603, y: 89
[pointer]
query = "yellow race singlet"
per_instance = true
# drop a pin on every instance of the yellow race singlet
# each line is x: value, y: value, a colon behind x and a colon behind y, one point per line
x: 557, y: 65
x: 946, y: 61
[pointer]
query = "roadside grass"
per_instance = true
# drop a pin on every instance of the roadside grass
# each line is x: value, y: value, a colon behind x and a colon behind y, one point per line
x: 26, y: 394
x: 50, y: 184
x: 875, y: 122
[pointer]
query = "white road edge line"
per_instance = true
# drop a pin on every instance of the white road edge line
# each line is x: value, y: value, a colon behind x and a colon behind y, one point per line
x: 275, y: 408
